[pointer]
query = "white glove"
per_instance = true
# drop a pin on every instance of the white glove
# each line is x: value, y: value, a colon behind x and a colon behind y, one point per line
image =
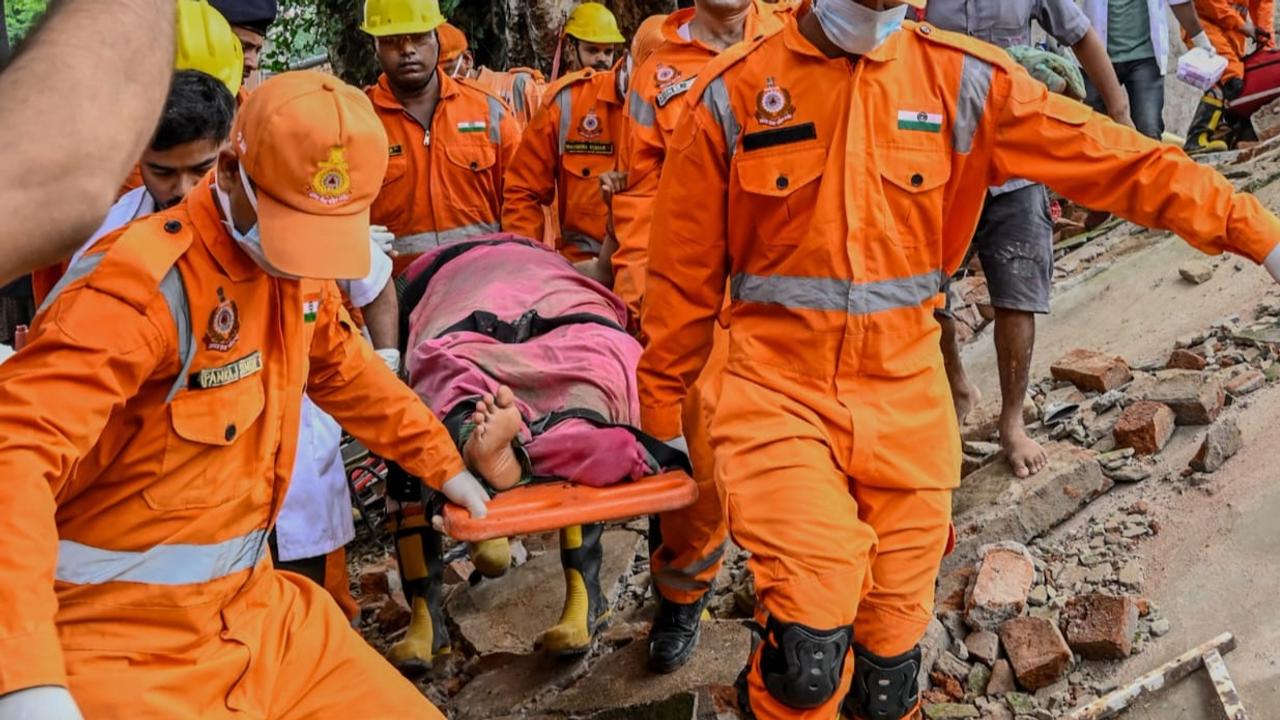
x: 678, y: 443
x: 465, y: 490
x: 47, y: 702
x: 1202, y: 41
x: 391, y: 357
x: 1272, y: 264
x: 382, y: 237
x: 5, y: 352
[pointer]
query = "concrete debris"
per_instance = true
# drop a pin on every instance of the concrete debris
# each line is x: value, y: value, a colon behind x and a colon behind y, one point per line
x: 1145, y: 426
x: 1090, y: 370
x: 1100, y: 627
x: 1037, y: 651
x: 950, y: 711
x: 999, y: 591
x: 1196, y: 271
x: 1195, y: 398
x: 984, y: 645
x: 1221, y: 442
x: 1131, y: 473
x: 950, y: 665
x: 1245, y: 383
x: 1002, y: 680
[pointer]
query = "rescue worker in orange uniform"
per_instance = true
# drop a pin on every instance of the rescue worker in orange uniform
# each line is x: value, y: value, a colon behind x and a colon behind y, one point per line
x: 572, y: 141
x: 590, y: 40
x: 1230, y: 28
x: 841, y: 164
x: 138, y: 577
x: 1263, y: 15
x: 521, y: 88
x: 449, y: 143
x: 689, y: 556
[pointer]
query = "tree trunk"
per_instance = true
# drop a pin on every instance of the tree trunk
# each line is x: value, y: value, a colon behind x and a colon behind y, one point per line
x: 502, y: 33
x: 4, y: 36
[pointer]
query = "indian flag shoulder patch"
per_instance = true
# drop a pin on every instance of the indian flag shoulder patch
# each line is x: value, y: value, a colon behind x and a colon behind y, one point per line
x: 472, y: 126
x: 310, y: 308
x: 919, y: 120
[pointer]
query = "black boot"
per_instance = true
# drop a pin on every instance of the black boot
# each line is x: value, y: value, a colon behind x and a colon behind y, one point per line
x: 1200, y: 136
x: 675, y: 632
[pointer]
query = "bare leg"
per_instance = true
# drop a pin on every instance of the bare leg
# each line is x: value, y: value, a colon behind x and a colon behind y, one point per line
x: 1015, y: 335
x: 964, y: 394
x: 488, y: 450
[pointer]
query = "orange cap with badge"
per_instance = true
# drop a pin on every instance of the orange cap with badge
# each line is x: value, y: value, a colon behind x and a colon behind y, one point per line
x: 315, y: 153
x: 453, y: 42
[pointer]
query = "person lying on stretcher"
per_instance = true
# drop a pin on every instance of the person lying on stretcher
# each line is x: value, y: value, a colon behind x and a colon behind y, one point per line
x: 527, y: 361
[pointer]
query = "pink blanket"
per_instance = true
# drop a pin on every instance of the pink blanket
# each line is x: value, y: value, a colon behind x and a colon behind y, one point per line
x: 582, y: 366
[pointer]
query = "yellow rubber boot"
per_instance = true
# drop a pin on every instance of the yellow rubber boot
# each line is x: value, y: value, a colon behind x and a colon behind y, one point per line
x: 1200, y: 136
x: 585, y: 612
x: 418, y: 552
x: 491, y: 557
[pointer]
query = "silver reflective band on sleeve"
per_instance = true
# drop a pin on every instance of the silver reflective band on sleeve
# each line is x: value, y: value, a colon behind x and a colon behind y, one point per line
x: 584, y: 242
x: 517, y: 92
x: 565, y: 100
x: 162, y: 564
x: 716, y: 98
x: 812, y: 293
x: 422, y: 242
x: 642, y: 113
x: 971, y: 102
x: 174, y: 291
x: 685, y: 578
x: 79, y: 269
x: 496, y: 112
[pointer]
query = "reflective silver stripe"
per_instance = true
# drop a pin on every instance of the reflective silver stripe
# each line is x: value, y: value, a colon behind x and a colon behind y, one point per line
x: 79, y: 269
x: 812, y: 293
x: 161, y: 565
x: 642, y: 113
x: 517, y: 92
x: 686, y: 578
x: 584, y: 241
x: 174, y: 291
x: 565, y: 100
x: 716, y: 98
x: 971, y: 102
x: 495, y: 120
x: 422, y: 242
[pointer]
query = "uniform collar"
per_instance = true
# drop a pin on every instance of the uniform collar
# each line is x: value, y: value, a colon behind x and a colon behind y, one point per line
x: 383, y: 97
x: 671, y: 26
x: 202, y: 209
x: 796, y: 41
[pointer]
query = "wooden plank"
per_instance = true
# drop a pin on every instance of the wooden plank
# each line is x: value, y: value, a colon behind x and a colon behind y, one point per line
x: 1114, y: 703
x: 1232, y: 708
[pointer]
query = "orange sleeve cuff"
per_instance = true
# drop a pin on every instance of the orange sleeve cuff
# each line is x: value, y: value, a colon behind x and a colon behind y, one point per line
x: 662, y: 421
x: 31, y: 659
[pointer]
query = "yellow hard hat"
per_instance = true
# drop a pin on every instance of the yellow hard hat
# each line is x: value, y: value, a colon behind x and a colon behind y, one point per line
x: 206, y: 43
x: 593, y: 23
x: 383, y: 18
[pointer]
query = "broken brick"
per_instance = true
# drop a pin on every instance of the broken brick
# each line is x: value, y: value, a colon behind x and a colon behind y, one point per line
x: 1100, y: 627
x: 1245, y: 383
x: 1037, y: 651
x: 983, y: 645
x: 392, y: 616
x: 1195, y: 399
x: 951, y: 589
x: 1001, y: 679
x: 1145, y: 426
x: 375, y: 583
x: 947, y: 684
x: 999, y: 591
x: 1090, y: 370
x: 1221, y: 442
x: 1186, y: 360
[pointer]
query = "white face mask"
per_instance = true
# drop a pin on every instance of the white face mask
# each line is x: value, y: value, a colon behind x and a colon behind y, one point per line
x: 250, y: 242
x: 856, y: 28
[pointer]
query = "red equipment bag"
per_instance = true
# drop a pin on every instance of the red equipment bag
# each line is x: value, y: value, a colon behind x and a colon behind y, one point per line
x: 1261, y: 83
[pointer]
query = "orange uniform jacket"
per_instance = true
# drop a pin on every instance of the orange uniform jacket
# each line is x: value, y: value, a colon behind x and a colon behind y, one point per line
x: 450, y: 188
x: 520, y: 88
x: 140, y: 490
x: 837, y: 196
x: 572, y: 140
x: 658, y: 97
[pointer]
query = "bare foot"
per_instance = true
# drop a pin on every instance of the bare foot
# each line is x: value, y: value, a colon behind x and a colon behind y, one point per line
x: 1025, y: 455
x: 488, y: 451
x: 966, y: 397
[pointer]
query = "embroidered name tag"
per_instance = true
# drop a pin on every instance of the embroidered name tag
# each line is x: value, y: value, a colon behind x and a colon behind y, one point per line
x: 217, y: 377
x: 779, y: 136
x: 588, y: 148
x: 679, y: 88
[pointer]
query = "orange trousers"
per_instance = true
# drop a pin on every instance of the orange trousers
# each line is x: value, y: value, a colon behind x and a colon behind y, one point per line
x: 287, y: 653
x: 1263, y: 14
x: 693, y: 538
x: 1230, y: 45
x: 826, y: 550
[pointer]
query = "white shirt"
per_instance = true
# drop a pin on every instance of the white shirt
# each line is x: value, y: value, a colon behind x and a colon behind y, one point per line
x: 1159, y: 19
x: 133, y: 205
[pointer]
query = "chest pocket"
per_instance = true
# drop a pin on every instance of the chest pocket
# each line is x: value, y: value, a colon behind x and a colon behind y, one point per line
x: 913, y: 181
x: 394, y: 202
x: 205, y: 445
x: 469, y: 182
x: 780, y: 186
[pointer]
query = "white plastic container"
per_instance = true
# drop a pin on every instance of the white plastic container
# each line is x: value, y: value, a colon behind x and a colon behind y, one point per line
x: 1201, y: 69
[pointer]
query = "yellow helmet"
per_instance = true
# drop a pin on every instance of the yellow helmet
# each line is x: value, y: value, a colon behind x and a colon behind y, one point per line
x: 206, y: 43
x: 401, y: 17
x: 593, y: 22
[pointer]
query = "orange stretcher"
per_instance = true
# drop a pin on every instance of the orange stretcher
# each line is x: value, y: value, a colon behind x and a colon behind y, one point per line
x: 550, y: 506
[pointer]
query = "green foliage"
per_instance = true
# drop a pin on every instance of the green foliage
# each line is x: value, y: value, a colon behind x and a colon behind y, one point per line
x: 21, y: 15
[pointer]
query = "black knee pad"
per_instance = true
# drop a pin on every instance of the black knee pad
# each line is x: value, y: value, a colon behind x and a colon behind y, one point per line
x: 884, y: 688
x: 800, y: 665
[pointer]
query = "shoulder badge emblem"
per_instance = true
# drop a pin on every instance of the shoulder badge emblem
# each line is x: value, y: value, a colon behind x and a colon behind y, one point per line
x: 773, y: 105
x: 331, y: 184
x: 223, y: 331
